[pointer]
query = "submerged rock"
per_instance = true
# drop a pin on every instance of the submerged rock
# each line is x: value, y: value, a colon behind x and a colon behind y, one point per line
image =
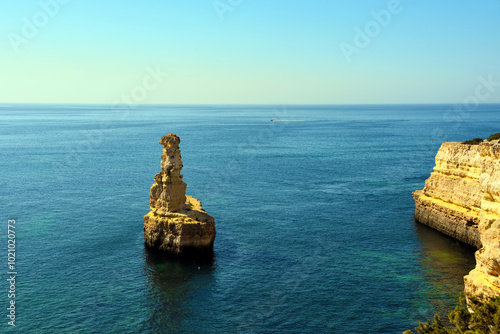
x: 461, y: 198
x: 176, y: 223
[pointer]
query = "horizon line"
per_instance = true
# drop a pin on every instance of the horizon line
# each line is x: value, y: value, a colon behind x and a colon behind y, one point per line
x: 233, y: 104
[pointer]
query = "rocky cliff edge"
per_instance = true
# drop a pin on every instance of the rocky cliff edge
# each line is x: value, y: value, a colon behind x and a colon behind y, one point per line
x: 461, y: 198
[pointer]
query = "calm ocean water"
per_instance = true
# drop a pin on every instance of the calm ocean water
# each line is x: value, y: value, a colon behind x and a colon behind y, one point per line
x: 314, y: 218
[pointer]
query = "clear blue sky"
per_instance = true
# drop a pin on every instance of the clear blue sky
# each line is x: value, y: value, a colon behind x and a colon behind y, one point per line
x: 262, y: 51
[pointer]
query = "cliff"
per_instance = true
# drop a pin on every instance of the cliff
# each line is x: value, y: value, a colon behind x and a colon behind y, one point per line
x: 176, y: 223
x: 484, y: 281
x: 451, y: 199
x: 461, y: 198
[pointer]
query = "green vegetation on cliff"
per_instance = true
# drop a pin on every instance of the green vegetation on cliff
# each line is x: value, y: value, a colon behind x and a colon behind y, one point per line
x: 474, y: 141
x: 477, y: 141
x: 484, y: 318
x: 494, y: 137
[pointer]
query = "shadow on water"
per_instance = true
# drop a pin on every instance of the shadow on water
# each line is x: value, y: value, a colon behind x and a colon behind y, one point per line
x: 174, y: 287
x: 444, y: 261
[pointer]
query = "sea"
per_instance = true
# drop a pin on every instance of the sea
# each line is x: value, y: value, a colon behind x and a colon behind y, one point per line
x: 312, y: 203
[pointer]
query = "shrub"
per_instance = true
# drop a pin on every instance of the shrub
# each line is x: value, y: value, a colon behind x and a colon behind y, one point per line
x: 485, y: 318
x: 474, y: 141
x: 494, y: 137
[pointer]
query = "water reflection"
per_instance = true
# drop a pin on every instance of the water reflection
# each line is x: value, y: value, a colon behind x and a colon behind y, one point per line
x: 444, y: 262
x: 175, y: 288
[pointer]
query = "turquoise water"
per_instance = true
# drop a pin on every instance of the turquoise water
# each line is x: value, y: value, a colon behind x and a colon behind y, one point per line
x: 314, y: 218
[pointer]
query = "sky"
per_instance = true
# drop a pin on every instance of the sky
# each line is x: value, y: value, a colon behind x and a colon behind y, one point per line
x: 249, y: 51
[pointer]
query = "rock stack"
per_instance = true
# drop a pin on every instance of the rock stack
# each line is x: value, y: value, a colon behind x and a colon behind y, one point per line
x: 176, y: 223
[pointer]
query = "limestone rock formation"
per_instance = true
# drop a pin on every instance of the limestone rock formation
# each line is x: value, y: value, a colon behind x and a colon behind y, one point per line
x: 176, y: 223
x: 462, y: 199
x: 484, y: 281
x: 451, y: 199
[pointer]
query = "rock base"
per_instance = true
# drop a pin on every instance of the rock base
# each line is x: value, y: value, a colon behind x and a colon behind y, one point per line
x: 453, y: 220
x: 189, y: 230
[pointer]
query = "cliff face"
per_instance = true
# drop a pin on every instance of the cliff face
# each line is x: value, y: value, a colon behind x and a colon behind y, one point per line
x: 451, y: 199
x: 484, y: 281
x: 176, y: 223
x: 461, y: 198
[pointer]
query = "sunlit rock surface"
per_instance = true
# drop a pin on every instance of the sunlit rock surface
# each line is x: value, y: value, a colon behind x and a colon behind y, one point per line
x: 461, y: 198
x: 451, y: 199
x: 176, y: 223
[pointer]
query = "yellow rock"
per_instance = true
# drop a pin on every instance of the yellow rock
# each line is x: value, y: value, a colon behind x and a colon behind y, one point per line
x: 176, y: 223
x: 451, y: 199
x: 462, y: 199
